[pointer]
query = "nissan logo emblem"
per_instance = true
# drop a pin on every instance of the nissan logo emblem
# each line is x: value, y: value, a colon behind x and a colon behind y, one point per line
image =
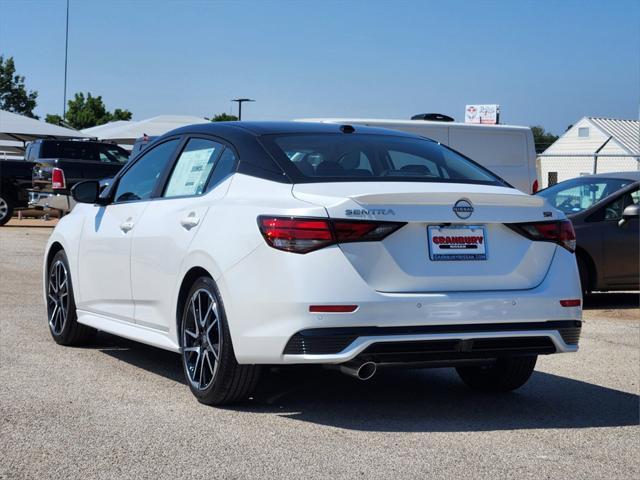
x: 463, y: 208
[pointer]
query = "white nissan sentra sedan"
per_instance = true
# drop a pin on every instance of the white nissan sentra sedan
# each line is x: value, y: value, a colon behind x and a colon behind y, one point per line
x: 240, y: 245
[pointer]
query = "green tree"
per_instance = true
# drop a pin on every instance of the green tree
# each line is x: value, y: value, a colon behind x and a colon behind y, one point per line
x: 14, y: 96
x: 53, y: 118
x: 119, y: 114
x: 542, y: 138
x: 88, y: 111
x: 224, y: 117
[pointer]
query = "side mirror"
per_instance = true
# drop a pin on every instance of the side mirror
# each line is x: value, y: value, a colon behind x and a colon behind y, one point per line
x: 105, y: 183
x: 629, y: 213
x: 86, y: 192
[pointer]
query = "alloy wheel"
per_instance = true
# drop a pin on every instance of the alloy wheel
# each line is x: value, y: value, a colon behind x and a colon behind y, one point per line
x: 58, y: 297
x: 4, y: 208
x: 201, y: 339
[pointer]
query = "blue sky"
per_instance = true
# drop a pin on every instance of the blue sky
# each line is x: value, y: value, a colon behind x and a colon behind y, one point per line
x: 546, y: 63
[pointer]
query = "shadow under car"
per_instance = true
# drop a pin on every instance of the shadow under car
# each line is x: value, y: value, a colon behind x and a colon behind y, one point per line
x: 408, y: 400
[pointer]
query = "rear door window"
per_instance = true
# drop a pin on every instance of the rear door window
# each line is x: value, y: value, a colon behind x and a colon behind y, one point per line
x: 225, y: 166
x: 193, y: 168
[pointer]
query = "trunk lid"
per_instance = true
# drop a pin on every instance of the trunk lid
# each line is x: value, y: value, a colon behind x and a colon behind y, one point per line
x: 409, y: 260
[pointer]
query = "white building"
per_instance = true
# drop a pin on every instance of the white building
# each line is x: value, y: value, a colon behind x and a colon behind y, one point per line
x: 575, y: 152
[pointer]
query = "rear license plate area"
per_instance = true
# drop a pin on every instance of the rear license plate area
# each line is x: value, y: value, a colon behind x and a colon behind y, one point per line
x: 457, y: 242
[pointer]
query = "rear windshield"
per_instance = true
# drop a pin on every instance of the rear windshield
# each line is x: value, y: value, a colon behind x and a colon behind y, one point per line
x: 316, y: 158
x: 93, y: 151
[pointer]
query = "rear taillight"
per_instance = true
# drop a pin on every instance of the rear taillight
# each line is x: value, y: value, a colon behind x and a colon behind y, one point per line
x: 560, y: 232
x: 363, y: 231
x: 57, y: 179
x: 302, y: 235
x: 296, y: 234
x: 535, y: 186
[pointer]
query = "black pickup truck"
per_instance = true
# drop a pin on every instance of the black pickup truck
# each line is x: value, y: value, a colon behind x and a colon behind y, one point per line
x: 59, y: 164
x: 15, y: 179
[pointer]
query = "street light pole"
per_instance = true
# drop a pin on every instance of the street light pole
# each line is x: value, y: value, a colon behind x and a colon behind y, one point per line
x: 66, y: 52
x: 240, y: 101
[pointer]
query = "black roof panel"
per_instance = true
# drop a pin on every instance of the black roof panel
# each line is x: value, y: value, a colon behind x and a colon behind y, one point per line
x: 619, y: 175
x: 266, y: 128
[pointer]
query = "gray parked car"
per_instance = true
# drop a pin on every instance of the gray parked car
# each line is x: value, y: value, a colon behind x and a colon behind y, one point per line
x: 604, y: 209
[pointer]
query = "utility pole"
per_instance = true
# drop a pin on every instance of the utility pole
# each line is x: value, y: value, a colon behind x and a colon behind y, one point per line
x: 66, y: 54
x: 240, y: 101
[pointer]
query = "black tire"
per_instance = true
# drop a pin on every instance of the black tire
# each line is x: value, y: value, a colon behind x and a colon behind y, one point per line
x: 61, y: 312
x: 585, y: 278
x: 503, y: 376
x: 6, y: 209
x: 224, y: 381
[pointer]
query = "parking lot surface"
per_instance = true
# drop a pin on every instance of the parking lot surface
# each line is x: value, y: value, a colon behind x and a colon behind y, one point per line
x: 117, y: 409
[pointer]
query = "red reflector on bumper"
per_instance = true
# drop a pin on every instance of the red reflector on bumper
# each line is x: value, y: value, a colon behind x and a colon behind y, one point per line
x: 332, y: 308
x: 575, y: 302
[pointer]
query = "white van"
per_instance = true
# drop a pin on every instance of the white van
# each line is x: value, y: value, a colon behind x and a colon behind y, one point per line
x: 506, y: 150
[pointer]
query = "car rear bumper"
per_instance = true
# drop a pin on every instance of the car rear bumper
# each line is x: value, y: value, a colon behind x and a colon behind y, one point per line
x: 433, y: 342
x: 46, y: 200
x: 268, y: 308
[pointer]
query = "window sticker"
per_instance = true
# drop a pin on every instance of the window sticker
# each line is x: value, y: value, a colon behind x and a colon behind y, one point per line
x: 191, y: 172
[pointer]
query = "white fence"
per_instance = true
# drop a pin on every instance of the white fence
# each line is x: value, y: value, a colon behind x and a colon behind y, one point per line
x: 557, y: 167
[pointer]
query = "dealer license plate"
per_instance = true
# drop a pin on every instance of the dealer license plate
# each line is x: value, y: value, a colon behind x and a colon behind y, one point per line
x: 464, y: 242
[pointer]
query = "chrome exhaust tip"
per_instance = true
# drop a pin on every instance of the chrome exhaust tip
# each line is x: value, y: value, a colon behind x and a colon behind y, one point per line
x: 358, y: 369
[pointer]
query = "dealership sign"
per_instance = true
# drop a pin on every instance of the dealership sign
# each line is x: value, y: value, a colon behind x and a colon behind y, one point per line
x: 489, y: 114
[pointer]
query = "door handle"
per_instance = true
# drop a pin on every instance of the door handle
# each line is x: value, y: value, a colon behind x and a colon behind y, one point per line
x: 190, y: 221
x: 126, y: 226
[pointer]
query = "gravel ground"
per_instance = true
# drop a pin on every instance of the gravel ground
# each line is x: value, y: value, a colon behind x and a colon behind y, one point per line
x: 118, y: 409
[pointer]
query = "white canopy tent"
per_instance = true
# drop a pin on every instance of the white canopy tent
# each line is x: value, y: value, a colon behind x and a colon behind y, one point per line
x: 14, y: 127
x: 98, y: 130
x: 11, y: 150
x: 126, y: 133
x: 15, y: 148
